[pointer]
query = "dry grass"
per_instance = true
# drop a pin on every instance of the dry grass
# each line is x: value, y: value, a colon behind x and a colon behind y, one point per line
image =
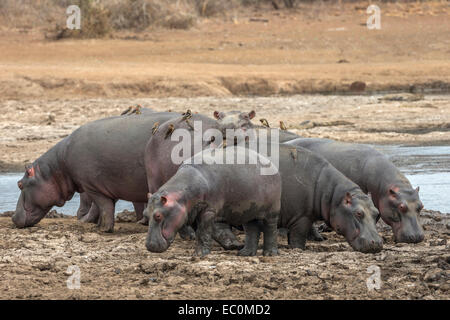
x: 101, y: 18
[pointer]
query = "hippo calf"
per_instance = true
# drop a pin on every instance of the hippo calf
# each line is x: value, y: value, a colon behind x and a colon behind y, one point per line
x: 399, y: 204
x: 202, y: 192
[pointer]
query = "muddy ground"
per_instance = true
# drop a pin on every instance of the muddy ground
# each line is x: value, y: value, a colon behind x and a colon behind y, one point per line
x: 34, y: 264
x: 254, y: 59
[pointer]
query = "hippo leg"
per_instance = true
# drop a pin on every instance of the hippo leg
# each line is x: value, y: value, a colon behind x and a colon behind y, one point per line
x: 187, y: 233
x: 92, y: 216
x: 85, y: 205
x: 106, y: 207
x: 298, y: 233
x: 252, y: 231
x: 139, y: 209
x: 205, y: 223
x: 314, y: 235
x: 225, y: 237
x: 270, y: 231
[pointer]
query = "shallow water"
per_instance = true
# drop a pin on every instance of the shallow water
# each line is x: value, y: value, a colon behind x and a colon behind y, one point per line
x: 427, y: 167
x: 9, y: 193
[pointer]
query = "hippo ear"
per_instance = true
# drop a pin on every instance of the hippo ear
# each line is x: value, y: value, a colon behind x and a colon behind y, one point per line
x: 163, y: 200
x: 218, y: 115
x: 417, y: 189
x: 252, y: 114
x: 348, y: 199
x: 149, y: 195
x: 370, y: 195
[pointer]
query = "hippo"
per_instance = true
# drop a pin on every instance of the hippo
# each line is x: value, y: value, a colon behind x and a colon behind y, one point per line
x: 313, y: 190
x: 399, y: 204
x: 103, y: 159
x: 202, y: 190
x: 88, y: 211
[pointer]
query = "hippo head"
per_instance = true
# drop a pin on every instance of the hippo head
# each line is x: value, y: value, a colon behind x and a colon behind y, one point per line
x: 235, y: 120
x: 355, y: 216
x: 166, y: 216
x: 38, y: 195
x: 400, y: 209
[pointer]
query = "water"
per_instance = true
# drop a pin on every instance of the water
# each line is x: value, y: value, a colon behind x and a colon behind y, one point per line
x: 427, y: 167
x: 9, y: 193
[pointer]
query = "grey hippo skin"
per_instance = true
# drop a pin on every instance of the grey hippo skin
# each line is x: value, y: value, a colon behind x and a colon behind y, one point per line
x: 159, y: 165
x: 88, y: 211
x: 313, y: 190
x: 103, y: 158
x: 235, y: 193
x: 399, y: 204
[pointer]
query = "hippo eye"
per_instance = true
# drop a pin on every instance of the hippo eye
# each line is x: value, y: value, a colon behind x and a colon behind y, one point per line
x: 360, y: 214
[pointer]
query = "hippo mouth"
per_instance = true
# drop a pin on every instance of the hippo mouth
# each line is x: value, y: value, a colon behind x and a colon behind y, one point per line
x: 158, y: 240
x: 403, y: 236
x: 25, y: 217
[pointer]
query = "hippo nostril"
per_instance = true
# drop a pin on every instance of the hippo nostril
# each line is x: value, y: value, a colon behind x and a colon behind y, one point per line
x: 157, y: 216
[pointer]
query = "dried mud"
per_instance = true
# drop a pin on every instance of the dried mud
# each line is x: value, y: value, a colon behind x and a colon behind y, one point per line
x: 34, y: 265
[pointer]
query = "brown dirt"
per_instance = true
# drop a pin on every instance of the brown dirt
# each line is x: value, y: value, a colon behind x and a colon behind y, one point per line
x: 318, y: 48
x: 29, y: 128
x: 34, y: 264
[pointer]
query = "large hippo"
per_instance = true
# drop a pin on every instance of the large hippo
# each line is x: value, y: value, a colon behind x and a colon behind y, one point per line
x: 399, y: 204
x: 202, y: 190
x: 312, y: 190
x: 160, y: 166
x: 103, y: 158
x: 88, y: 210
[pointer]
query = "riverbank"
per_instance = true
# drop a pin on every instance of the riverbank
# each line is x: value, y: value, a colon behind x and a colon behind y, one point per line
x: 317, y: 48
x: 28, y: 128
x: 35, y: 260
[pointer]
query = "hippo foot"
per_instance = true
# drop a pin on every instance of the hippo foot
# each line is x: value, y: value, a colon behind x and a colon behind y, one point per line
x: 187, y: 233
x: 324, y: 228
x: 233, y: 245
x: 202, y: 251
x: 270, y: 252
x: 314, y: 235
x: 245, y: 252
x: 143, y: 221
x: 106, y: 227
x: 283, y: 232
x: 89, y: 219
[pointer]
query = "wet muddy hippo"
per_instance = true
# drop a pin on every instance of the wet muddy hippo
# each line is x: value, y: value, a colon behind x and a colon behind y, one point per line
x: 399, y: 204
x: 103, y: 158
x: 160, y: 166
x: 201, y: 191
x: 313, y: 190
